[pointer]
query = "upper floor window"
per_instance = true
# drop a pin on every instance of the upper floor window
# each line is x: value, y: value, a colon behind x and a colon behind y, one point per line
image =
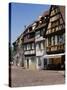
x: 37, y: 34
x: 55, y: 23
x: 49, y: 40
x: 31, y: 35
x: 46, y: 18
x: 38, y: 46
x: 33, y: 27
x: 29, y: 46
x: 61, y: 39
x: 32, y: 45
x: 42, y: 32
x: 53, y: 40
x: 25, y: 47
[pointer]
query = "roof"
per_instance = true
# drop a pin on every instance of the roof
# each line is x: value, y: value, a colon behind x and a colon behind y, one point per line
x: 43, y: 24
x: 45, y: 13
x: 62, y: 10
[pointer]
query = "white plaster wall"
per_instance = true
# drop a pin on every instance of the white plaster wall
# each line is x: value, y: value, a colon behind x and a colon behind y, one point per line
x: 42, y: 63
x: 39, y: 39
x: 37, y: 63
x: 39, y: 52
x: 55, y: 39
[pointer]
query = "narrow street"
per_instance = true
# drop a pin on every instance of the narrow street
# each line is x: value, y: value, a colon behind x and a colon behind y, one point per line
x: 22, y: 77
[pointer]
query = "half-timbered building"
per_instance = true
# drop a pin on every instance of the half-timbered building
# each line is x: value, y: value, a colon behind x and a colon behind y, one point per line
x: 55, y: 36
x: 29, y: 47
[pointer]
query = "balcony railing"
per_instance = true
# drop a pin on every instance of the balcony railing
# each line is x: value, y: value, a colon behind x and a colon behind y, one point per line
x: 55, y: 48
x: 55, y: 29
x: 29, y: 52
x: 39, y: 39
x: 29, y: 40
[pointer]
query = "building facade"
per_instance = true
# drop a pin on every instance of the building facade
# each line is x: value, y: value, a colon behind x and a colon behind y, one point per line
x: 18, y: 52
x: 29, y: 47
x: 42, y: 44
x: 55, y: 36
x: 40, y: 40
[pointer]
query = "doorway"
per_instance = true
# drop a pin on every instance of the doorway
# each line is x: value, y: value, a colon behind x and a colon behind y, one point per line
x: 27, y: 63
x: 45, y: 63
x: 22, y: 62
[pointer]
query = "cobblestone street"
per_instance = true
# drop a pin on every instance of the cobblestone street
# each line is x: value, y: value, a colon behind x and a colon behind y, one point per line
x: 22, y: 77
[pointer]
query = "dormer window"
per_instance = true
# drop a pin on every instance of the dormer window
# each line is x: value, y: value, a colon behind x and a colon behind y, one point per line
x: 30, y: 29
x: 45, y: 17
x: 33, y: 26
x: 40, y: 21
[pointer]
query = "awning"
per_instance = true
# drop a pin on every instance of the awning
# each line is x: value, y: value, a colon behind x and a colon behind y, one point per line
x: 53, y: 55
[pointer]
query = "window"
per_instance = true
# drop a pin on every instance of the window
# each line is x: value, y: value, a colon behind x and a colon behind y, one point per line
x: 32, y: 45
x: 41, y: 32
x: 60, y: 39
x: 40, y: 21
x: 46, y: 18
x: 61, y: 27
x: 37, y: 34
x: 28, y: 46
x: 61, y: 21
x: 55, y: 23
x: 33, y: 27
x: 53, y: 40
x: 30, y: 29
x: 31, y: 35
x: 49, y: 40
x: 25, y: 47
x: 63, y: 38
x: 57, y: 10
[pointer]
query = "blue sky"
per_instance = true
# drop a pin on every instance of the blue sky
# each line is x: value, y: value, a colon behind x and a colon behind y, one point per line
x: 24, y: 14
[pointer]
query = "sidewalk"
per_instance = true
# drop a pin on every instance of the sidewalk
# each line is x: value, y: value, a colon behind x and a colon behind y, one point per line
x: 62, y: 72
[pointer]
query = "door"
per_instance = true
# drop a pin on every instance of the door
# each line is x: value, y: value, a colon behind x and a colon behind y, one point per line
x: 22, y: 62
x: 27, y: 63
x: 45, y: 63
